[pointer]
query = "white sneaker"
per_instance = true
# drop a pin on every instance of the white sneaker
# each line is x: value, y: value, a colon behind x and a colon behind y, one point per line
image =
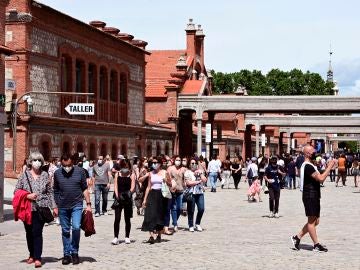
x: 176, y: 229
x: 105, y: 213
x: 191, y: 229
x: 127, y: 240
x: 276, y: 215
x: 198, y: 228
x: 115, y: 241
x: 97, y: 215
x: 57, y: 221
x: 271, y: 215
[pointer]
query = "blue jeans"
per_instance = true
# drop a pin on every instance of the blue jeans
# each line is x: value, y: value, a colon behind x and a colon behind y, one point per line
x: 167, y: 215
x: 199, y: 200
x: 176, y: 205
x: 213, y: 178
x: 70, y: 219
x: 101, y: 189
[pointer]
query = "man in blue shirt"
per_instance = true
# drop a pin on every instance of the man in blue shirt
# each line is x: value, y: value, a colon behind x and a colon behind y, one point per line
x: 70, y: 188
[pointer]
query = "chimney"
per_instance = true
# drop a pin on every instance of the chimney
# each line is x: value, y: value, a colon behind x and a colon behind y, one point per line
x: 98, y: 24
x: 190, y: 38
x: 200, y: 45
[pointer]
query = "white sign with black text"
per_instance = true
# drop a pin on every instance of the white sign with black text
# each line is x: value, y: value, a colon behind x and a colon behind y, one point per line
x: 81, y: 108
x: 208, y: 133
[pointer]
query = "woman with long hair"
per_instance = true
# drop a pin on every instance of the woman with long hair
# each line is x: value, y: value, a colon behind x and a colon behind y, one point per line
x: 355, y: 170
x: 235, y: 168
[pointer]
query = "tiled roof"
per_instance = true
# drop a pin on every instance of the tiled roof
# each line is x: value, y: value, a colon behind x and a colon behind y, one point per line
x: 160, y: 65
x: 192, y: 87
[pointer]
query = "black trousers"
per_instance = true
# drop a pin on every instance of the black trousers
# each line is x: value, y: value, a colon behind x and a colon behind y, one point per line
x: 127, y: 216
x: 237, y: 178
x: 274, y: 198
x: 34, y: 236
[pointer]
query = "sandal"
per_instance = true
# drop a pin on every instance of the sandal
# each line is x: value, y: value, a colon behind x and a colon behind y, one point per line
x: 30, y: 260
x: 37, y: 264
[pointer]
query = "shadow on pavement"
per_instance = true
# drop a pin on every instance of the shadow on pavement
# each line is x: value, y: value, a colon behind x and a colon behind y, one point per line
x: 306, y: 247
x: 87, y: 259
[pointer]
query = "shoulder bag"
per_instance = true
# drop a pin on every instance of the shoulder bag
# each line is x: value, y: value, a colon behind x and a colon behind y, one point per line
x: 44, y: 212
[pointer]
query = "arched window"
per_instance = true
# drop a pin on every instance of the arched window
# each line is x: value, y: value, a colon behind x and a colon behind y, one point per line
x: 123, y: 88
x: 66, y: 73
x: 80, y: 76
x: 103, y: 150
x: 45, y: 150
x: 103, y: 83
x: 92, y: 78
x: 79, y: 148
x: 66, y: 148
x: 113, y: 85
x: 92, y: 154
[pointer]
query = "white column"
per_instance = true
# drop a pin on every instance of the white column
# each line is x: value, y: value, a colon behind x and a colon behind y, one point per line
x: 199, y: 137
x: 257, y: 136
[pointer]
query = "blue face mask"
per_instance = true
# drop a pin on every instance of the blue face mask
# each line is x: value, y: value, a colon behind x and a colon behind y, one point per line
x: 155, y: 166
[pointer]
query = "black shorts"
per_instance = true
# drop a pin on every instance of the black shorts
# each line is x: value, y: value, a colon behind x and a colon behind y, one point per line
x: 312, y: 206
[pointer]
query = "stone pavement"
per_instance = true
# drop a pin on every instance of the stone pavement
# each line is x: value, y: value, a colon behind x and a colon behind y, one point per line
x: 237, y: 235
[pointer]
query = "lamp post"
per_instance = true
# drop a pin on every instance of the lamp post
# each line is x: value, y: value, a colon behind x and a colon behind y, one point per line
x: 27, y: 98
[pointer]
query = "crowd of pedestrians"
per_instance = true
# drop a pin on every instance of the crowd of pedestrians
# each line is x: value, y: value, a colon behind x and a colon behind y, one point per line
x: 163, y: 189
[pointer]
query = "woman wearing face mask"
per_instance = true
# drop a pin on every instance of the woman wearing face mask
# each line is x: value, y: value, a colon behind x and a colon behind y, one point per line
x: 154, y: 202
x: 271, y: 176
x: 39, y: 191
x: 176, y: 173
x: 124, y: 186
x: 194, y: 180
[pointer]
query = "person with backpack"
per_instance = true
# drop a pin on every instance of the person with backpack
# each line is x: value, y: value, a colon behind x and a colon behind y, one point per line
x: 252, y: 171
x: 271, y: 176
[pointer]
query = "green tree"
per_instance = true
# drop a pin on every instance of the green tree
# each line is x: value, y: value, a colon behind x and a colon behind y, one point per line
x: 276, y: 82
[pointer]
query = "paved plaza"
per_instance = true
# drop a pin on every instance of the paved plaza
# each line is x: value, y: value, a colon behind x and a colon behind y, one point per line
x: 237, y: 235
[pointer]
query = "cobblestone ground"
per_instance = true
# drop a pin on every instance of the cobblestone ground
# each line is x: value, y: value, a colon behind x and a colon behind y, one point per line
x: 237, y: 235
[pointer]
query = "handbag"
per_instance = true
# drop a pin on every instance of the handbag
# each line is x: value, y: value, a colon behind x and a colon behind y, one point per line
x: 165, y: 191
x: 45, y: 214
x: 188, y: 195
x: 115, y: 204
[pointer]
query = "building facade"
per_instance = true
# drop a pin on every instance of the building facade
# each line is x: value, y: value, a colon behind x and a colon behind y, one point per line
x: 58, y: 53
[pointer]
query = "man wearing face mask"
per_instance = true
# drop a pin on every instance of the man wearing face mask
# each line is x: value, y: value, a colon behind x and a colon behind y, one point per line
x: 102, y: 176
x: 310, y: 180
x: 70, y: 189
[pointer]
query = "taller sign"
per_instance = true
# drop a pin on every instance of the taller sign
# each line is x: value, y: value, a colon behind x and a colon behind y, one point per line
x: 81, y: 108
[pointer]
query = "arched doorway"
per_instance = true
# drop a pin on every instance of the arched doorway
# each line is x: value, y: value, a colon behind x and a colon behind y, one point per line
x: 123, y: 149
x: 113, y: 151
x: 103, y: 150
x: 149, y: 150
x: 79, y: 148
x: 45, y: 150
x: 167, y: 148
x: 92, y: 153
x: 66, y: 148
x: 158, y: 149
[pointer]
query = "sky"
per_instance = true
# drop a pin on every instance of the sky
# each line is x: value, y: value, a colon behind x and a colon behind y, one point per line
x: 243, y: 34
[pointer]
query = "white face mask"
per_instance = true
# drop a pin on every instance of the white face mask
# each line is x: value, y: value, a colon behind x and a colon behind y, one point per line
x: 68, y: 168
x: 177, y: 163
x: 100, y: 161
x: 36, y: 164
x: 184, y: 163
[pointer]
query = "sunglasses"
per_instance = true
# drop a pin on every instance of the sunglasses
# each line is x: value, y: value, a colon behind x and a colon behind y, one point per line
x: 36, y: 160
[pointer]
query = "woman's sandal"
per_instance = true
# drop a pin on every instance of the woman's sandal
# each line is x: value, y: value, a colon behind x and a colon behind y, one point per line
x: 30, y: 260
x: 37, y: 264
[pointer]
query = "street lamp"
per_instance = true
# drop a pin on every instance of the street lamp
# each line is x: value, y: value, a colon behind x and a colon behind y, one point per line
x: 30, y: 108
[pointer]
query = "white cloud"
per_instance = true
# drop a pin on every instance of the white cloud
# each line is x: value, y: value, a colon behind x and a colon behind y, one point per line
x: 350, y: 90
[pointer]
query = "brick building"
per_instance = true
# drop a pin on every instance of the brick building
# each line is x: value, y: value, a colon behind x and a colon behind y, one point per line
x: 173, y: 73
x: 55, y: 52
